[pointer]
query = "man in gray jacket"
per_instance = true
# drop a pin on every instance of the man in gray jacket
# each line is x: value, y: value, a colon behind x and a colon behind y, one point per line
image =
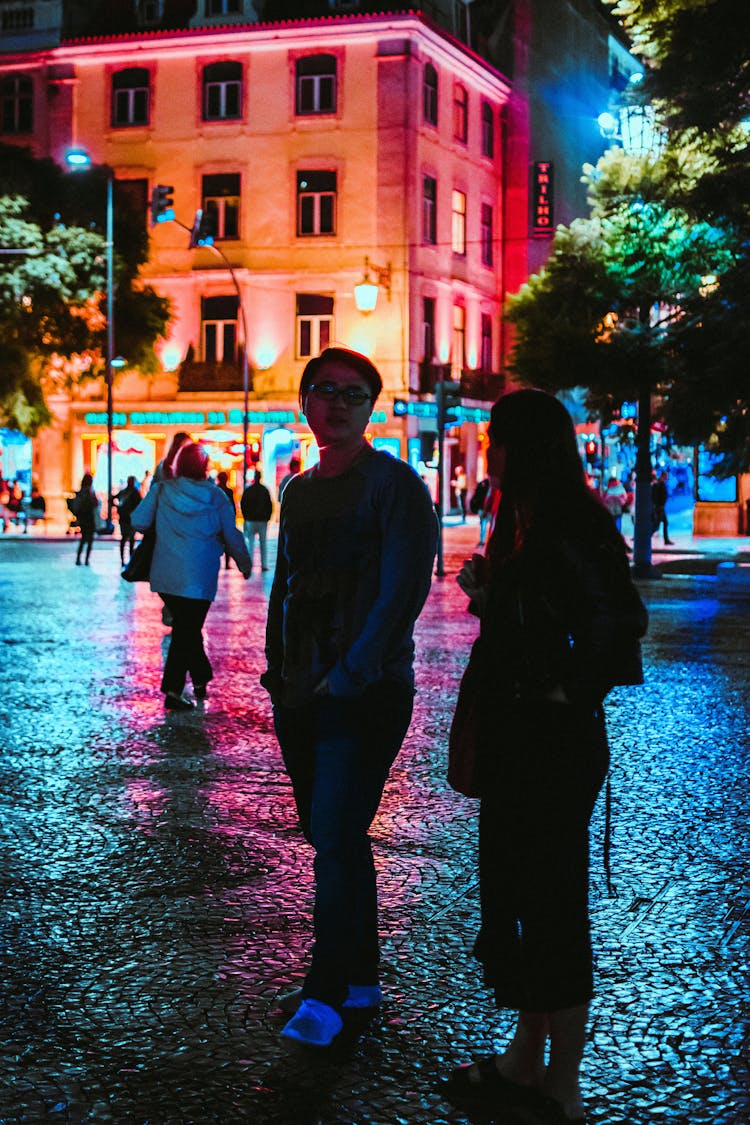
x: 357, y: 541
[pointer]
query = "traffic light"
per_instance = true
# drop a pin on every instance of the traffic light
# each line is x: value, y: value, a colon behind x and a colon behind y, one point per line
x: 448, y: 398
x: 204, y: 229
x: 162, y: 204
x: 591, y: 451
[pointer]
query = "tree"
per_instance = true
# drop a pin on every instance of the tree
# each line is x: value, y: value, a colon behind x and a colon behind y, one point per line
x: 650, y: 294
x: 608, y: 310
x: 52, y: 296
x: 698, y: 78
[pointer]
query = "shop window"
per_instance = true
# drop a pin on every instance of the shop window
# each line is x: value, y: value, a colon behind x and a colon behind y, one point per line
x: 460, y: 113
x: 488, y: 131
x: 486, y: 344
x: 429, y: 210
x: 430, y: 95
x: 316, y: 84
x: 222, y: 91
x: 221, y: 200
x: 219, y: 329
x: 314, y: 324
x: 316, y: 203
x: 458, y: 222
x: 130, y: 96
x: 487, y: 234
x: 17, y: 101
x: 458, y: 354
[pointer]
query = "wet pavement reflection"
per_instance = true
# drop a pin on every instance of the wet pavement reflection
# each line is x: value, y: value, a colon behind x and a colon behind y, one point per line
x: 156, y: 891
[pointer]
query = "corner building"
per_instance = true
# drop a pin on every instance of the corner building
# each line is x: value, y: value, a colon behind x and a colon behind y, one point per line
x: 325, y: 150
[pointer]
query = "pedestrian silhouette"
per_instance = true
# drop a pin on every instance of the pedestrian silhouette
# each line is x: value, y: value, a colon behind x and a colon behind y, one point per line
x: 257, y: 508
x: 193, y: 522
x: 84, y: 507
x: 560, y: 622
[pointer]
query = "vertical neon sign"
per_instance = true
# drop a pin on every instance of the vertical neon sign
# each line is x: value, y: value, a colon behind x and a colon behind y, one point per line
x: 542, y: 218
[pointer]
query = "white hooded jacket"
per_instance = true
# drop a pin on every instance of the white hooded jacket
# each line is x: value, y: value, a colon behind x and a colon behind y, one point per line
x: 194, y: 524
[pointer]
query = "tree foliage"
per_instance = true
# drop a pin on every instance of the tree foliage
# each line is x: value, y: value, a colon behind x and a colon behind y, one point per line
x: 623, y: 301
x: 53, y: 295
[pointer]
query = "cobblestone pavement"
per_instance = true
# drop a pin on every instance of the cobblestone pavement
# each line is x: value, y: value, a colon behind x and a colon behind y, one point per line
x: 156, y: 891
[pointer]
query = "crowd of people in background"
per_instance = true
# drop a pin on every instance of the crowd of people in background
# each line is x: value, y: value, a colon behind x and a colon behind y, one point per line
x: 16, y: 509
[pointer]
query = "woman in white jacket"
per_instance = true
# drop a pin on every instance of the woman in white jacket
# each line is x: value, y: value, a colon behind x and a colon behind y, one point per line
x: 194, y: 525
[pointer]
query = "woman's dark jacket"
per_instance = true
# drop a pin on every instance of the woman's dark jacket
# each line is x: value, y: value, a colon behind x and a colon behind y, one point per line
x: 563, y: 612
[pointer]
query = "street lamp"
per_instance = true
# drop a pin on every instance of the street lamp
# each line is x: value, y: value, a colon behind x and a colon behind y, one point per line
x: 79, y: 158
x: 366, y: 293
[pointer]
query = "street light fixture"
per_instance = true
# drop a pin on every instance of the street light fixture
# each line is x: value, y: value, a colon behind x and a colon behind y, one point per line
x: 80, y: 158
x: 366, y: 293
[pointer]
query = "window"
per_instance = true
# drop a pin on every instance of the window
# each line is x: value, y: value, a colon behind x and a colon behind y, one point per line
x: 219, y: 329
x: 458, y: 222
x: 223, y: 7
x: 222, y: 91
x: 459, y: 341
x: 149, y: 12
x: 486, y: 344
x: 460, y: 113
x: 430, y: 95
x: 428, y: 329
x: 221, y: 200
x: 17, y: 100
x: 488, y: 131
x: 314, y: 324
x: 130, y: 93
x: 132, y: 196
x: 316, y: 203
x: 316, y: 84
x: 18, y: 19
x: 429, y: 210
x: 487, y: 235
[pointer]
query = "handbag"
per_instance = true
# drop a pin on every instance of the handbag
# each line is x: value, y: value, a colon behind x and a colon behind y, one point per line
x: 138, y: 568
x: 463, y: 740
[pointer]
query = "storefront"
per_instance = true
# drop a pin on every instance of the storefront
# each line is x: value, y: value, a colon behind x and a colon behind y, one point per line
x: 140, y: 438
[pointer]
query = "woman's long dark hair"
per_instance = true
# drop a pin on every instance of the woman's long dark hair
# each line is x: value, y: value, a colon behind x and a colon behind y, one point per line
x: 544, y: 479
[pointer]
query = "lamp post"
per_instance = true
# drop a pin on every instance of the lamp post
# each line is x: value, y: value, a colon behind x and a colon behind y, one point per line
x: 202, y: 235
x: 79, y: 158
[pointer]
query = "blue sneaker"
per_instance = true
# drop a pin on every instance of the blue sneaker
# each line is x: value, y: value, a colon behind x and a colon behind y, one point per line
x: 359, y: 996
x: 314, y: 1023
x: 364, y: 996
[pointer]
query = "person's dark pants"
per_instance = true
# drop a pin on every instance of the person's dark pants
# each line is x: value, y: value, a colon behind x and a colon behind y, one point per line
x: 128, y: 539
x: 338, y: 753
x: 540, y: 784
x: 87, y: 541
x: 659, y: 519
x: 186, y: 652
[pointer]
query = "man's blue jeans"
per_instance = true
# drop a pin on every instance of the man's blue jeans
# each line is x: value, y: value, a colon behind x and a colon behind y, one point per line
x: 338, y: 753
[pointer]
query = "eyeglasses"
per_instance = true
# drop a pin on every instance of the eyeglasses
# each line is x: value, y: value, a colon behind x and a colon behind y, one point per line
x: 352, y: 396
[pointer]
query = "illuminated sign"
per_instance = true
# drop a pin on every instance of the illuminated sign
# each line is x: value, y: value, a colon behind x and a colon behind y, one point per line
x: 429, y: 410
x: 192, y: 418
x: 542, y: 218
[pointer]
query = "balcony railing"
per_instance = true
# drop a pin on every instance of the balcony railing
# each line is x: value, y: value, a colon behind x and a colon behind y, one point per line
x: 197, y: 376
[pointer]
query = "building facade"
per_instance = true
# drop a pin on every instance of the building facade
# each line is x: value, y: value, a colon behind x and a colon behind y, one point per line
x: 324, y: 152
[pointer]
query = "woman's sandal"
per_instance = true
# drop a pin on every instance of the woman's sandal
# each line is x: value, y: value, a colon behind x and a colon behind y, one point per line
x: 489, y: 1087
